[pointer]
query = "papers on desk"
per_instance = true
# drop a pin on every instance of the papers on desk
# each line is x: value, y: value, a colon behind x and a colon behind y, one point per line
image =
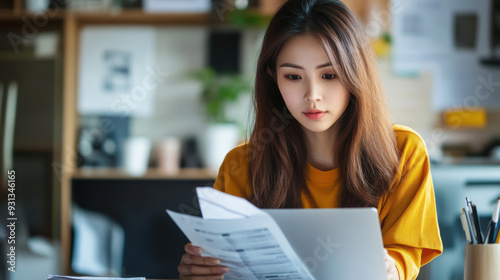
x: 243, y: 237
x: 62, y: 277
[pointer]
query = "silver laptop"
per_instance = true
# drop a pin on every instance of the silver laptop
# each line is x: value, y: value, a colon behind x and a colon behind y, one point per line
x: 340, y: 243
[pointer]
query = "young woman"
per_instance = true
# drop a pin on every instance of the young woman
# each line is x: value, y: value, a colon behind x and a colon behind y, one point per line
x: 323, y: 138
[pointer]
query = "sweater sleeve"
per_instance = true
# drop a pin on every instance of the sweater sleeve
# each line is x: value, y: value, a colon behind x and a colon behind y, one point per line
x: 408, y: 212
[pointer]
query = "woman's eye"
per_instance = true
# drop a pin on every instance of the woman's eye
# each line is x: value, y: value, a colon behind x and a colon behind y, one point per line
x: 330, y: 76
x: 292, y: 77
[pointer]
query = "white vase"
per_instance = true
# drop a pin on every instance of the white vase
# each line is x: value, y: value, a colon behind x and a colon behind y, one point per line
x: 136, y: 152
x: 219, y: 140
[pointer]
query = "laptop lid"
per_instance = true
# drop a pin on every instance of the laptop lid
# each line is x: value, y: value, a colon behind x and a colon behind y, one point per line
x: 340, y: 243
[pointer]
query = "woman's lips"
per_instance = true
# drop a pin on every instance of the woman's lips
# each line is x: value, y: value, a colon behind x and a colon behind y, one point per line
x: 315, y: 114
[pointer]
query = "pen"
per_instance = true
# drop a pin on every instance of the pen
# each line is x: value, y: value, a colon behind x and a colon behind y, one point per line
x: 470, y: 220
x: 465, y: 226
x: 477, y: 225
x: 489, y: 233
x: 494, y: 223
x: 469, y: 225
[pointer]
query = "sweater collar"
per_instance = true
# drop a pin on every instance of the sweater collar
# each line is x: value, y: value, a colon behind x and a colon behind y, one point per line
x: 321, y: 177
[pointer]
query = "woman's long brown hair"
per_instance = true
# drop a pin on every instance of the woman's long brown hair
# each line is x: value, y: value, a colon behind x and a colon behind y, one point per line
x: 365, y: 147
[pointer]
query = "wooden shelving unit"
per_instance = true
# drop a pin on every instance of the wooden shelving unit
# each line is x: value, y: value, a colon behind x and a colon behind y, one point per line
x: 73, y: 23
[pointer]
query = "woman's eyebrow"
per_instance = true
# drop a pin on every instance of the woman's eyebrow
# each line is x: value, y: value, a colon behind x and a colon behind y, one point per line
x: 300, y: 67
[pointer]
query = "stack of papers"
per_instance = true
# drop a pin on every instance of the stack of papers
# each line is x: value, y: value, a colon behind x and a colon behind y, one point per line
x: 245, y: 238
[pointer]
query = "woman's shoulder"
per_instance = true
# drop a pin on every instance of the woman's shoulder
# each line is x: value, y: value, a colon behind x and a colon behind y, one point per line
x: 233, y: 173
x: 239, y: 153
x: 408, y: 140
x: 236, y: 161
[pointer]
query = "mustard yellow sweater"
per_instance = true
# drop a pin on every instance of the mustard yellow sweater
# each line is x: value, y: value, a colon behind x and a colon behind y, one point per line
x: 407, y: 214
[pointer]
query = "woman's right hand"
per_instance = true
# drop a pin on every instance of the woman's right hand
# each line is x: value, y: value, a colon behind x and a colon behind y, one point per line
x: 195, y: 267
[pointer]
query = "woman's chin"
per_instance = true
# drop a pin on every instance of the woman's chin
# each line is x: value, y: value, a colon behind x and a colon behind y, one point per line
x: 318, y: 128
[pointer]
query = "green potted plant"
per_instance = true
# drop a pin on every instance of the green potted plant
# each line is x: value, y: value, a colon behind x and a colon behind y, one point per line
x: 219, y: 91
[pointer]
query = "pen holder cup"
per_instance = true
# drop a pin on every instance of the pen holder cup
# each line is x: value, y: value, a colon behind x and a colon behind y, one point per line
x: 482, y: 262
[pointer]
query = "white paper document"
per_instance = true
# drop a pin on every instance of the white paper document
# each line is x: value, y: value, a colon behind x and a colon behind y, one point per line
x: 243, y: 237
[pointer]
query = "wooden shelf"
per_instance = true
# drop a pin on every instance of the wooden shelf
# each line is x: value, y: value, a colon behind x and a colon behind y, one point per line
x: 26, y: 149
x: 28, y: 55
x: 131, y: 16
x: 139, y: 17
x: 10, y: 15
x: 151, y: 174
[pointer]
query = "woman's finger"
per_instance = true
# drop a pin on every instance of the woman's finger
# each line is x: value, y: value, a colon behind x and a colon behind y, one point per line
x: 193, y: 250
x: 198, y: 260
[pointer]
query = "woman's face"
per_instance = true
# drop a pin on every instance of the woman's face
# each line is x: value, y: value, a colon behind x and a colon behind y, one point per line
x: 310, y: 88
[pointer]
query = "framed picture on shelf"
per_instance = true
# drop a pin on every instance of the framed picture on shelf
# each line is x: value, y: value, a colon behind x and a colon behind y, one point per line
x: 117, y: 71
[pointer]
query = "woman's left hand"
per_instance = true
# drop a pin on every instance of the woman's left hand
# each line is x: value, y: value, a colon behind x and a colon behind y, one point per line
x: 390, y: 265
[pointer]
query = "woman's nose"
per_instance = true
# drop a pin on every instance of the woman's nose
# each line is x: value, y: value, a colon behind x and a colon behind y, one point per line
x: 312, y: 94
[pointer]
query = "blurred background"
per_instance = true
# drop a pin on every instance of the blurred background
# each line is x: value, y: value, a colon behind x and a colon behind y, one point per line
x: 112, y: 111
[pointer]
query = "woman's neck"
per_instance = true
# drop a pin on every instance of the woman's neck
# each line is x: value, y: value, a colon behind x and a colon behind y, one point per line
x: 320, y: 152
